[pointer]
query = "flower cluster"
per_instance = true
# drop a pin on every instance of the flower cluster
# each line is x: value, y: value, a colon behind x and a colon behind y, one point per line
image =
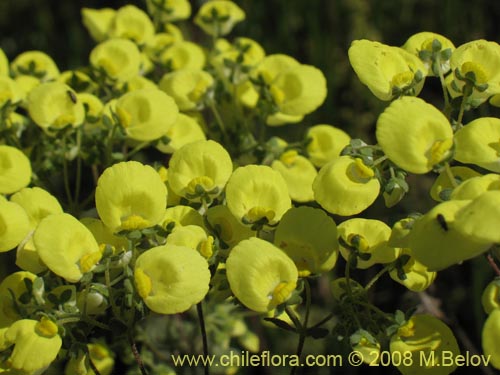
x: 187, y: 204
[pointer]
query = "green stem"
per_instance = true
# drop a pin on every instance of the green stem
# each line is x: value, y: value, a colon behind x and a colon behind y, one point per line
x: 443, y: 86
x: 379, y: 160
x: 466, y: 95
x: 199, y: 310
x: 450, y: 175
x: 67, y: 188
x: 109, y: 145
x: 137, y: 148
x: 78, y: 167
x: 376, y: 277
x: 136, y: 354
x: 219, y: 120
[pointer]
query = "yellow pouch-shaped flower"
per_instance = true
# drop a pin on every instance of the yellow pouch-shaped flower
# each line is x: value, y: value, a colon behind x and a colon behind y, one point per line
x: 260, y: 275
x: 490, y: 298
x: 118, y: 58
x: 443, y: 186
x: 327, y: 142
x: 475, y: 186
x: 103, y: 235
x: 140, y: 83
x: 244, y: 51
x: 183, y: 55
x: 36, y: 345
x: 385, y: 69
x: 218, y: 17
x: 130, y: 195
x: 299, y: 174
x: 479, y: 143
x: 184, y: 130
x: 199, y: 168
x: 35, y: 63
x: 414, y: 135
x: 187, y: 87
x: 163, y: 40
x: 481, y: 58
x: 181, y: 216
x: 480, y: 219
x: 4, y: 64
x: 257, y: 193
x: 413, y: 275
x: 368, y: 237
x: 101, y: 357
x: 10, y: 91
x: 53, y: 105
x: 15, y: 284
x: 428, y: 340
x: 345, y: 186
x: 146, y: 114
x: 422, y: 42
x: 69, y: 253
x: 436, y: 242
x: 194, y: 237
x: 309, y: 237
x: 228, y: 228
x: 132, y: 23
x: 93, y: 107
x: 170, y: 279
x: 170, y: 10
x: 491, y: 337
x: 15, y: 170
x: 79, y: 81
x: 98, y: 22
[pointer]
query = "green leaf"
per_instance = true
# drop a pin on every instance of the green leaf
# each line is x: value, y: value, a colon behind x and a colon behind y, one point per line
x: 281, y: 324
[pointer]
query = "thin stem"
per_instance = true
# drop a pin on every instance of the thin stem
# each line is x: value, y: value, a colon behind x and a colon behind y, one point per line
x: 450, y: 175
x: 379, y: 160
x: 91, y: 363
x: 462, y: 107
x: 107, y: 280
x: 323, y: 321
x: 199, y: 310
x: 218, y: 118
x: 136, y: 354
x: 109, y: 144
x: 376, y: 277
x: 66, y: 174
x: 493, y: 264
x: 78, y: 166
x: 375, y: 309
x: 137, y: 148
x: 443, y: 86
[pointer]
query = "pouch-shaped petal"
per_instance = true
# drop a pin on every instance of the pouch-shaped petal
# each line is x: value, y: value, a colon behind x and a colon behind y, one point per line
x: 69, y: 253
x: 119, y: 58
x: 130, y: 195
x: 98, y: 22
x: 183, y: 55
x: 299, y: 174
x: 479, y: 143
x: 228, y: 228
x: 13, y: 285
x: 132, y: 23
x: 53, y: 105
x: 413, y: 274
x: 443, y: 186
x: 257, y: 192
x: 169, y: 10
x: 491, y: 336
x: 183, y: 131
x: 437, y: 243
x: 14, y: 225
x: 326, y: 143
x: 218, y: 17
x: 146, y: 114
x: 35, y: 63
x: 369, y: 237
x: 260, y: 275
x: 182, y: 215
x: 414, y: 135
x: 345, y: 186
x: 198, y: 168
x: 490, y: 299
x: 170, y: 279
x: 194, y: 237
x: 421, y: 336
x: 15, y: 170
x: 10, y: 91
x: 101, y: 357
x: 475, y: 186
x: 308, y: 236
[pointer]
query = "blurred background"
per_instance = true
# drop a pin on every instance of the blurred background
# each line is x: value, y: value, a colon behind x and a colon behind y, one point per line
x: 316, y: 32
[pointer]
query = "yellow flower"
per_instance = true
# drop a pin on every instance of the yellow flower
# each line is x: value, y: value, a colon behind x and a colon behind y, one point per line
x: 414, y: 135
x: 130, y: 195
x: 244, y: 51
x: 309, y: 237
x: 4, y: 64
x: 421, y: 336
x: 479, y: 219
x: 193, y: 237
x: 345, y: 186
x: 104, y: 236
x: 132, y: 23
x: 139, y: 83
x: 199, y: 168
x: 218, y: 17
x: 184, y: 130
x: 36, y: 345
x: 299, y: 174
x: 181, y: 216
x: 260, y: 275
x: 187, y: 87
x: 93, y: 107
x: 10, y: 91
x: 52, y: 105
x: 257, y: 194
x: 368, y: 236
x: 491, y: 336
x: 387, y: 71
x: 183, y: 55
x: 98, y: 22
x: 69, y: 253
x: 415, y: 275
x: 78, y: 81
x: 480, y: 59
x: 326, y: 143
x: 436, y: 242
x: 170, y: 279
x: 14, y: 283
x: 119, y: 58
x: 490, y: 298
x: 421, y: 44
x: 365, y: 344
x: 443, y: 186
x: 163, y: 40
x: 479, y: 143
x: 37, y: 203
x: 15, y: 170
x: 169, y: 10
x: 146, y: 114
x: 35, y: 63
x: 227, y: 227
x: 475, y: 186
x: 101, y: 357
